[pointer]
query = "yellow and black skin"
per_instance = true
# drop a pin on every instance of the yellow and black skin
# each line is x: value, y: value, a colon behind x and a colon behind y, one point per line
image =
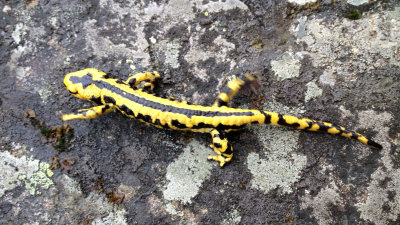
x: 125, y: 96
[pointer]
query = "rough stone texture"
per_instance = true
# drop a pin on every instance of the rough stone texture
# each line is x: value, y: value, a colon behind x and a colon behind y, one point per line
x: 357, y: 2
x: 311, y: 60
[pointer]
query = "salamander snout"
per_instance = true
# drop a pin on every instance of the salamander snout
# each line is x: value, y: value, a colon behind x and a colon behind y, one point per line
x: 82, y: 83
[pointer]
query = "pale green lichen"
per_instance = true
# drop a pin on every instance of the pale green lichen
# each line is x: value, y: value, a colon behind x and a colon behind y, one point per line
x: 217, y: 6
x: 357, y: 2
x: 19, y: 31
x: 35, y: 175
x: 313, y: 91
x: 188, y: 172
x: 287, y: 67
x: 172, y: 210
x: 39, y: 179
x: 281, y: 166
x: 171, y: 53
x: 302, y: 2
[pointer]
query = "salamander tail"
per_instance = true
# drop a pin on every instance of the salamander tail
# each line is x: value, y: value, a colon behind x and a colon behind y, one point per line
x: 374, y: 144
x: 313, y: 125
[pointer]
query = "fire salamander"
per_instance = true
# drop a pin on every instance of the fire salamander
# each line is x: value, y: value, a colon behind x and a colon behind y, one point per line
x: 126, y: 97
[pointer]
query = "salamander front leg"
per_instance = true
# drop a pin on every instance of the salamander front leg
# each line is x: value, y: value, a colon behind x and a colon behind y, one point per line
x: 146, y: 77
x: 89, y: 113
x: 233, y: 87
x: 220, y: 146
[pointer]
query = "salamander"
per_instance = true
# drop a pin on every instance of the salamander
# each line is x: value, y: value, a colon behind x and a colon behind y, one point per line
x: 138, y: 103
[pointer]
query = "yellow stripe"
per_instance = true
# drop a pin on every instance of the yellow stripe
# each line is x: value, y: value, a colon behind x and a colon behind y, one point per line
x: 363, y: 139
x: 290, y: 119
x: 347, y: 135
x: 314, y: 127
x: 224, y: 97
x: 333, y: 130
x: 235, y: 85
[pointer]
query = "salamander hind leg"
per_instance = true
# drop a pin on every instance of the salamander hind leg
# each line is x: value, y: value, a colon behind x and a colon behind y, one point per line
x: 233, y: 87
x: 147, y: 77
x: 220, y: 146
x: 89, y: 113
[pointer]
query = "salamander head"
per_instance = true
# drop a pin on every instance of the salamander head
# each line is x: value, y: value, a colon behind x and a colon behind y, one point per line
x: 82, y: 83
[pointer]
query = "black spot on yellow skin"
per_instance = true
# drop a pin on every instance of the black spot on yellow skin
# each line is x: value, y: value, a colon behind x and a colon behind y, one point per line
x: 229, y: 150
x: 126, y: 110
x: 93, y: 85
x: 267, y: 119
x: 103, y: 110
x: 132, y: 81
x: 144, y: 118
x: 119, y: 82
x: 217, y: 145
x: 283, y: 122
x: 96, y: 100
x: 221, y: 102
x: 176, y: 124
x: 108, y: 99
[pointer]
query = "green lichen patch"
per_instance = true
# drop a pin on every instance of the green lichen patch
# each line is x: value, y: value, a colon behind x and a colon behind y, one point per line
x: 15, y: 171
x: 313, y: 91
x: 39, y: 179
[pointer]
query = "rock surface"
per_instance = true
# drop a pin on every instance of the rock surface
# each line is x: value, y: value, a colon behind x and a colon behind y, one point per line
x: 336, y: 61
